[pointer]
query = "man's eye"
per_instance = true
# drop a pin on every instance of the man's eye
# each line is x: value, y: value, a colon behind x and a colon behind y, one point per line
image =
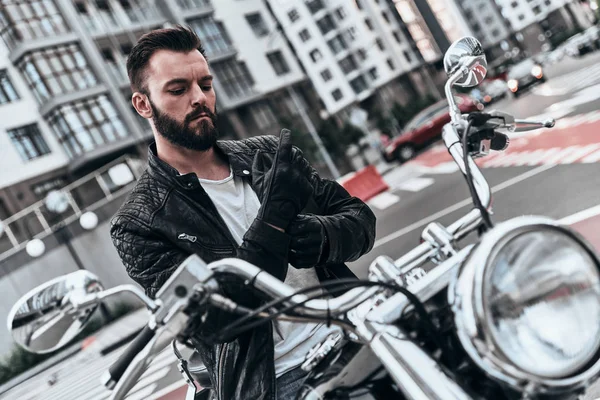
x: 177, y: 92
x: 206, y: 88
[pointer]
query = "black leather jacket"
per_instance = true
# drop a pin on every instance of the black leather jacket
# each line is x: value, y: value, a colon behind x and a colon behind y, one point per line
x: 169, y: 216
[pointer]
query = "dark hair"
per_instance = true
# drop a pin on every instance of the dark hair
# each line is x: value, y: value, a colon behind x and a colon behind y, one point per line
x: 180, y: 39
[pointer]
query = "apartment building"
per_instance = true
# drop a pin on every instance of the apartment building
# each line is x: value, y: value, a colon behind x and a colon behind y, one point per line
x: 354, y: 52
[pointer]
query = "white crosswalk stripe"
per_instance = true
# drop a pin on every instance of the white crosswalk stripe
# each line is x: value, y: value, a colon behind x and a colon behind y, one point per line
x: 79, y: 379
x: 568, y: 155
x: 570, y: 82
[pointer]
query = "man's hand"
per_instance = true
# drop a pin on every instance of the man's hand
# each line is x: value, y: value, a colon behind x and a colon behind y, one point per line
x: 284, y: 190
x: 309, y: 246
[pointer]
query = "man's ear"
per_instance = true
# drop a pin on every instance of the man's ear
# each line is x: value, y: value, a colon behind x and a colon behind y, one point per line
x: 141, y: 103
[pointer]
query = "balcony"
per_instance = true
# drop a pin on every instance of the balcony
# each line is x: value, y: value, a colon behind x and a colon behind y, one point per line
x: 118, y: 73
x: 194, y: 4
x: 98, y: 191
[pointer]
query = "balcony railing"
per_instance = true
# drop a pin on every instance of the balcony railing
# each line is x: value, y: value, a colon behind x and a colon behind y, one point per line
x: 89, y: 193
x: 193, y: 4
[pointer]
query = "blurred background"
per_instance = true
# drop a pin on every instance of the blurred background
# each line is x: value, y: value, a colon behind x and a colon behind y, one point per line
x: 359, y: 82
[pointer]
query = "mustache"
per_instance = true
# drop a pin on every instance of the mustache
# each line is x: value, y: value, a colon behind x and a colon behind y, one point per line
x: 199, y: 112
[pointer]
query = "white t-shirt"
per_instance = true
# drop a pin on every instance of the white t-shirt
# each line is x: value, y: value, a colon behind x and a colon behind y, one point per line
x: 238, y: 205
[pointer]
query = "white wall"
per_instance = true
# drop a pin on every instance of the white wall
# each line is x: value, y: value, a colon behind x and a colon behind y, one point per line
x: 13, y: 169
x: 524, y: 10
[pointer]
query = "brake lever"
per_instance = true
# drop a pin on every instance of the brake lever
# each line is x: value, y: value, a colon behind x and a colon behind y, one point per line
x: 163, y: 337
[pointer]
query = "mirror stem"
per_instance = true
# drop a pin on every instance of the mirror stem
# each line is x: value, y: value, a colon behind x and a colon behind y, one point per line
x: 95, y: 298
x: 455, y: 113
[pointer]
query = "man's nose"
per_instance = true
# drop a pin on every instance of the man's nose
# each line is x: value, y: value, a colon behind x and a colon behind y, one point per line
x: 198, y: 96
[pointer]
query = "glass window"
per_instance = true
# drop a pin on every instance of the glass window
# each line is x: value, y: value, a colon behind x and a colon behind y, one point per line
x: 407, y: 56
x: 8, y: 93
x: 293, y: 15
x: 359, y: 84
x: 397, y: 36
x: 316, y: 55
x: 337, y: 94
x: 326, y: 75
x: 55, y: 71
x: 234, y: 77
x: 348, y: 64
x: 326, y: 24
x: 191, y: 4
x: 257, y: 24
x: 278, y: 63
x: 373, y: 73
x: 212, y: 34
x: 263, y: 115
x: 304, y: 35
x: 26, y: 20
x: 369, y: 24
x: 385, y: 16
x: 29, y: 142
x: 390, y: 64
x: 83, y: 126
x: 340, y: 13
x: 314, y: 6
x: 337, y: 44
x: 380, y: 44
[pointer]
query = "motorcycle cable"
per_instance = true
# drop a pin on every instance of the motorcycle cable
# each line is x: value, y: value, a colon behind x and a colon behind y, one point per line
x: 424, y: 316
x: 485, y: 216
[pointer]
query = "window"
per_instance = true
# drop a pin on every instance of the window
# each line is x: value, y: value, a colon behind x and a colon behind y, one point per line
x: 390, y: 64
x: 495, y: 33
x: 56, y: 71
x: 489, y: 20
x: 85, y: 125
x: 43, y: 188
x: 547, y: 2
x: 514, y: 4
x: 521, y: 17
x: 257, y: 24
x: 304, y: 35
x: 385, y: 16
x: 278, y: 63
x: 380, y: 44
x: 337, y: 94
x: 29, y: 142
x: 106, y: 12
x: 326, y: 24
x: 476, y: 28
x: 137, y: 10
x: 358, y: 84
x: 326, y: 75
x: 340, y: 13
x: 314, y: 6
x: 369, y: 24
x: 358, y: 4
x: 536, y: 10
x: 7, y: 91
x: 350, y: 34
x: 234, y: 78
x: 22, y: 21
x: 407, y: 56
x: 348, y: 64
x: 293, y: 15
x: 190, y: 4
x: 397, y: 36
x: 373, y: 73
x: 212, y: 34
x: 316, y: 55
x: 337, y: 44
x: 362, y: 54
x: 263, y: 115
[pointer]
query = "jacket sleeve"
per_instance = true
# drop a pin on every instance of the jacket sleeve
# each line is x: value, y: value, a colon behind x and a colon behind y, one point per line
x: 348, y: 221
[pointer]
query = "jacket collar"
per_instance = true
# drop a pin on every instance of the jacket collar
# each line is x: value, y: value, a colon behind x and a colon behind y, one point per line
x: 239, y: 165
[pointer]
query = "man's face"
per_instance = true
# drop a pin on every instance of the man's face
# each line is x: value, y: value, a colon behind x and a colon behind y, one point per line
x: 182, y: 101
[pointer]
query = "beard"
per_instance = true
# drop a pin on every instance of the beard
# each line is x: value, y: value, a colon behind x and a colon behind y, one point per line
x: 200, y: 137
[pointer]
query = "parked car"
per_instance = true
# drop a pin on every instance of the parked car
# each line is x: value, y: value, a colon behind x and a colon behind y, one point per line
x: 493, y: 90
x: 581, y: 44
x: 523, y: 75
x: 425, y: 128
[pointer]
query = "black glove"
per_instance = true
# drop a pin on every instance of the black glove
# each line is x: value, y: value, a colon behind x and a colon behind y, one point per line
x: 309, y: 246
x: 284, y: 189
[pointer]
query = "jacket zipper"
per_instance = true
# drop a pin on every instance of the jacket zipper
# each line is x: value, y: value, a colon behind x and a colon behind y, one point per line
x: 222, y: 356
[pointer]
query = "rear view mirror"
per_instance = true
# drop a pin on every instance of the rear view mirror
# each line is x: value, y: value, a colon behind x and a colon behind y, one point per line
x: 44, y: 319
x: 466, y: 53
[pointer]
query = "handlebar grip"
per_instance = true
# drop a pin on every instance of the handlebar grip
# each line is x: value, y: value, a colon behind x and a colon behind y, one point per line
x: 116, y: 371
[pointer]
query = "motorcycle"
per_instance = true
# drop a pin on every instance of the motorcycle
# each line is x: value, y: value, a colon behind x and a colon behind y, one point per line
x: 514, y: 316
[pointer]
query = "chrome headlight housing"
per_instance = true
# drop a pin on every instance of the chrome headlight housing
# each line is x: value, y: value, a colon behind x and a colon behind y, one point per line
x: 526, y: 306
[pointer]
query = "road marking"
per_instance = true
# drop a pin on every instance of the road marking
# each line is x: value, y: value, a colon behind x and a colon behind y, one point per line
x: 581, y: 216
x: 458, y: 206
x: 384, y: 200
x: 415, y: 184
x: 165, y: 391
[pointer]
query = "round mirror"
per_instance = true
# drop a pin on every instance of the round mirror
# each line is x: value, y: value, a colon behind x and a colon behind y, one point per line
x: 466, y: 53
x: 44, y: 320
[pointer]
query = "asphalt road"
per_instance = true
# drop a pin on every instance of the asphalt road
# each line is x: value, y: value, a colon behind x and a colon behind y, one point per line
x: 423, y: 192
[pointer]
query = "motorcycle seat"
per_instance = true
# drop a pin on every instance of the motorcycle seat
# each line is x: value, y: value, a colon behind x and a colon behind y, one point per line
x: 198, y: 371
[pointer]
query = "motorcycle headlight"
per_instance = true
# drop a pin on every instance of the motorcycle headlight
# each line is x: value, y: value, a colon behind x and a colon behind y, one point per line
x: 527, y: 305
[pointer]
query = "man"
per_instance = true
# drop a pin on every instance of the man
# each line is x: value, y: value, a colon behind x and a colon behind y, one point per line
x: 257, y: 199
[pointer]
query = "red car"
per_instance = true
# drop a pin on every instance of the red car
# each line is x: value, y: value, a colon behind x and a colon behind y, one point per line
x: 425, y: 128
